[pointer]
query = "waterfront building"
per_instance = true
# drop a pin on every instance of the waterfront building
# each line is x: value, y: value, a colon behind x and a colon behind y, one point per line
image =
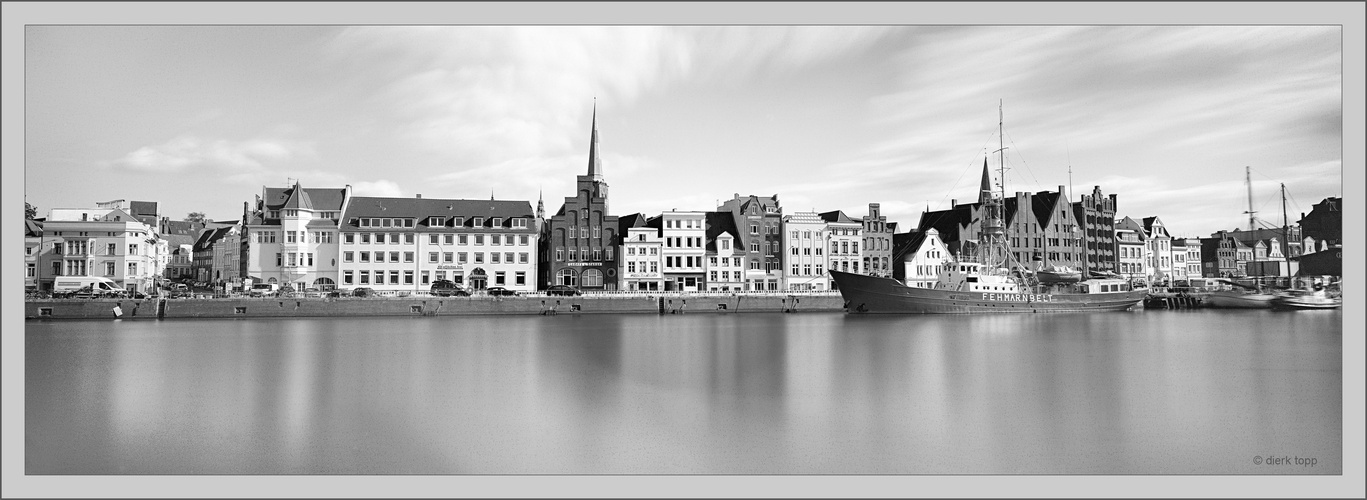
x: 759, y: 222
x: 921, y: 257
x: 1324, y: 224
x: 33, y: 246
x: 1219, y: 258
x: 1095, y: 214
x: 725, y: 258
x: 1243, y: 254
x: 843, y: 243
x: 1193, y: 257
x: 1179, y: 259
x: 208, y: 251
x: 685, y: 248
x: 107, y: 241
x: 1160, y: 249
x: 806, y: 238
x: 1042, y: 227
x: 642, y: 256
x: 290, y: 236
x: 877, y: 248
x: 180, y: 238
x: 580, y: 248
x: 1130, y: 249
x: 402, y: 245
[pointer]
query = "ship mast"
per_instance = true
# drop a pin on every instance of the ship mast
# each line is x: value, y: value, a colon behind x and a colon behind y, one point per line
x: 1248, y: 179
x: 1286, y: 235
x: 993, y: 225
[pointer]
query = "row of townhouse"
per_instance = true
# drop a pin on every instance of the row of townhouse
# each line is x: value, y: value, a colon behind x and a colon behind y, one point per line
x: 116, y: 240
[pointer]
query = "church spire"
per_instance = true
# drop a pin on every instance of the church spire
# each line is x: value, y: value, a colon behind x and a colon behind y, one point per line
x: 540, y: 205
x: 595, y: 163
x: 985, y: 192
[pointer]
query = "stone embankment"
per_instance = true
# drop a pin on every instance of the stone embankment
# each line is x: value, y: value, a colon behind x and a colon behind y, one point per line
x: 423, y: 305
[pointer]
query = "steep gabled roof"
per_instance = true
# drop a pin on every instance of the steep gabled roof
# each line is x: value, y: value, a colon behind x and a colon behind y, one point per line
x: 717, y: 224
x: 947, y: 222
x: 837, y: 216
x: 298, y: 199
x: 33, y: 228
x: 1043, y: 204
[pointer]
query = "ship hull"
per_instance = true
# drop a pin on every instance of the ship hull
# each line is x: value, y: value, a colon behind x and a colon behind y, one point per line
x: 868, y: 294
x: 1234, y: 300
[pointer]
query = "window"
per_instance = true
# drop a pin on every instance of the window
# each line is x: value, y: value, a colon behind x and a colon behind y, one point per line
x: 519, y: 223
x: 408, y: 256
x: 494, y: 257
x: 596, y: 233
x: 108, y: 269
x: 365, y: 277
x: 365, y: 238
x: 520, y: 278
x: 346, y: 256
x: 365, y: 256
x: 459, y: 221
x: 477, y: 221
x: 559, y: 254
x: 496, y: 222
x: 310, y: 259
x: 446, y: 257
x: 592, y: 278
x: 280, y: 259
x: 479, y: 239
x: 408, y: 238
x: 500, y: 278
x: 349, y: 238
x: 479, y: 257
x: 132, y: 269
x: 522, y: 239
x: 111, y: 249
x: 289, y: 236
x: 394, y: 257
x: 133, y: 249
x: 379, y: 237
x: 426, y: 278
x: 432, y: 257
x: 714, y: 261
x: 508, y: 239
x: 393, y: 277
x: 596, y: 255
x: 408, y: 277
x: 508, y: 257
x: 432, y: 239
x: 379, y: 256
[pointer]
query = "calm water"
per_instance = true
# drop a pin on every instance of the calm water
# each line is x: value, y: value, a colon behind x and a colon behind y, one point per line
x: 1158, y: 392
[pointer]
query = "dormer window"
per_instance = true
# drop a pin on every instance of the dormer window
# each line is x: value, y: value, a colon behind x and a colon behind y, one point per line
x: 519, y: 223
x: 478, y: 221
x: 460, y: 221
x: 496, y: 222
x: 274, y: 214
x: 434, y: 221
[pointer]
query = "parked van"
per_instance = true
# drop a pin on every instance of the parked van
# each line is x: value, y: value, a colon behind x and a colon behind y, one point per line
x: 88, y: 286
x: 265, y: 289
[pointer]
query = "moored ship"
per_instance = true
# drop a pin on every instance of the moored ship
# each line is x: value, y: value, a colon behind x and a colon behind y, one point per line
x: 990, y: 280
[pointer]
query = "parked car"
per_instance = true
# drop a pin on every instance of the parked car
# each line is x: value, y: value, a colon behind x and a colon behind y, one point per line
x: 363, y: 292
x: 499, y: 291
x: 340, y: 292
x: 85, y: 286
x: 563, y: 290
x: 265, y: 289
x: 448, y: 288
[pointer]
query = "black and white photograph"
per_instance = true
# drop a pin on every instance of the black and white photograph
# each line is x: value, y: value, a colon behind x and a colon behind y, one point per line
x: 527, y: 249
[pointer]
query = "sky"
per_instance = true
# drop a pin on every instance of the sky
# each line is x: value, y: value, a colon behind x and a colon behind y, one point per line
x: 200, y: 118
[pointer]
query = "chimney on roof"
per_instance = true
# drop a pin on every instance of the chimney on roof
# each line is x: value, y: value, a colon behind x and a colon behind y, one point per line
x: 419, y: 196
x: 953, y: 203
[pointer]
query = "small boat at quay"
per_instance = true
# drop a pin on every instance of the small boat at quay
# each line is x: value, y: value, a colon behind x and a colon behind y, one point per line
x: 1242, y: 297
x: 1306, y: 301
x: 1058, y: 274
x: 987, y: 280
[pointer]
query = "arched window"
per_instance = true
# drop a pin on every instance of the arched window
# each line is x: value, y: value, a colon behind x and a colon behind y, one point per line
x: 593, y: 278
x: 324, y: 284
x: 567, y: 277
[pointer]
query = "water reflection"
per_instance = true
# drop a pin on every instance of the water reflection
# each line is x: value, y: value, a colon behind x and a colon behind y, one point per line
x: 1155, y: 392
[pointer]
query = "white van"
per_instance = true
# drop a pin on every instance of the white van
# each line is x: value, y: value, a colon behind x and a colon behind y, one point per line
x: 85, y: 286
x: 265, y: 289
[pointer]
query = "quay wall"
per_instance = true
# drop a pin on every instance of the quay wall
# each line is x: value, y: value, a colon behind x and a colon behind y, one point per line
x: 140, y: 309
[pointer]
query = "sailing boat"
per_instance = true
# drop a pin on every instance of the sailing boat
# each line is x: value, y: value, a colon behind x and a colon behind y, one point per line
x: 985, y: 282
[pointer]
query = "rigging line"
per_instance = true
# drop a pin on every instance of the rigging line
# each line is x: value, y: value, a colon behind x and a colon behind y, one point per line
x: 1038, y: 186
x: 964, y: 172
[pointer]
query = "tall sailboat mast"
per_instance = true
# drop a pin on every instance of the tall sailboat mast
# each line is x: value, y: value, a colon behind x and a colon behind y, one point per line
x: 1248, y: 179
x: 1286, y: 231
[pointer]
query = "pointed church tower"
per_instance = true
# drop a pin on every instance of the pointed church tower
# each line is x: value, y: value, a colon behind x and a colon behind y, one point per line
x: 985, y: 192
x: 540, y: 205
x: 595, y: 164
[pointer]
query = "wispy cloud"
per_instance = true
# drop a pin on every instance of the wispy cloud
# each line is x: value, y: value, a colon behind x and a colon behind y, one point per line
x: 188, y: 152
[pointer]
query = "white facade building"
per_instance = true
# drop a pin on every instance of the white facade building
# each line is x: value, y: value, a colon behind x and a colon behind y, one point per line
x: 805, y: 240
x: 402, y: 245
x: 685, y: 235
x: 106, y: 242
x: 924, y: 260
x: 726, y: 255
x: 292, y: 236
x: 642, y: 256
